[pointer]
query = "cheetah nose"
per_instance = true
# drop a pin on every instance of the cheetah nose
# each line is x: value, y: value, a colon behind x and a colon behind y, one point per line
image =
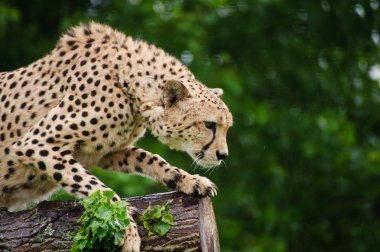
x: 221, y: 155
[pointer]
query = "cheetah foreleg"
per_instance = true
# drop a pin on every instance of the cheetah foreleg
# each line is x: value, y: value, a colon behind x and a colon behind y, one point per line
x: 136, y: 160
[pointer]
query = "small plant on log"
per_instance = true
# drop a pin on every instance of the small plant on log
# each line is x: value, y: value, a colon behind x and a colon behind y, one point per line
x: 158, y: 219
x: 103, y: 223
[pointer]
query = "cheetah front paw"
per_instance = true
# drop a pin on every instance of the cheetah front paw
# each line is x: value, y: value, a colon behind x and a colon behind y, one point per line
x: 132, y: 241
x: 197, y: 185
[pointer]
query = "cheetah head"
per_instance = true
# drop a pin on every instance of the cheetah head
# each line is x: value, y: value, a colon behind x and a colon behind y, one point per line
x: 192, y: 118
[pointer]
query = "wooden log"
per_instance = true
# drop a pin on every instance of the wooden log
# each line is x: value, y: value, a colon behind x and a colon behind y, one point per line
x: 51, y: 225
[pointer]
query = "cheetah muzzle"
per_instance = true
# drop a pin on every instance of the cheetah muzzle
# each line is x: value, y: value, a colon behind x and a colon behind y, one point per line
x: 87, y: 102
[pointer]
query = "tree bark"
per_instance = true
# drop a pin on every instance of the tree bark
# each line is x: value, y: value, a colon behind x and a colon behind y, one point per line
x: 51, y: 226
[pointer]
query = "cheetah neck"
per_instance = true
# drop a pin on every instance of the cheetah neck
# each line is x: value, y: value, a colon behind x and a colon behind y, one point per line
x: 149, y: 67
x: 145, y: 69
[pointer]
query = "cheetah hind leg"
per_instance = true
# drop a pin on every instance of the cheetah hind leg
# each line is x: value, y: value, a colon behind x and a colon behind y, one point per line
x: 131, y: 241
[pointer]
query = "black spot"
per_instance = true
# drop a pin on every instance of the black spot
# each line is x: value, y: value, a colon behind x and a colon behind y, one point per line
x: 58, y: 127
x: 67, y: 136
x: 77, y: 178
x: 84, y: 193
x: 44, y: 153
x: 70, y: 42
x: 55, y: 148
x: 57, y: 176
x: 172, y: 183
x: 162, y: 163
x: 65, y: 152
x: 41, y: 166
x: 73, y: 126
x: 29, y: 152
x: 76, y: 186
x: 141, y: 157
x: 151, y: 160
x: 94, y: 121
x: 59, y: 166
x: 72, y: 161
x: 31, y: 177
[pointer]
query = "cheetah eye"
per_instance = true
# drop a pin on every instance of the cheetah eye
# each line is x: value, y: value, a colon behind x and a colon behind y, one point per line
x: 210, y: 125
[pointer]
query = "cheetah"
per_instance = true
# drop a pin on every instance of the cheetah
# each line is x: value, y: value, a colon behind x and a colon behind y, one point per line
x: 87, y: 102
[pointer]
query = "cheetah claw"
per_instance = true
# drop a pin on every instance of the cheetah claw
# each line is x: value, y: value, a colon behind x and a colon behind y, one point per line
x: 198, y: 186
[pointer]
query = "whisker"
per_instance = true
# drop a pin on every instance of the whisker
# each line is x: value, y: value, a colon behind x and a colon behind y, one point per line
x: 195, y: 163
x: 208, y: 171
x: 214, y: 168
x: 194, y: 166
x: 224, y: 164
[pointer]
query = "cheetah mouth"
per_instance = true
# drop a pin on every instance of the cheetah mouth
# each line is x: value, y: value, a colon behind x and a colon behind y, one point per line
x: 198, y: 158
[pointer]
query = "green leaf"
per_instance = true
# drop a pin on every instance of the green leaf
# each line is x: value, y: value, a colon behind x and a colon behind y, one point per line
x: 103, y: 223
x: 109, y: 194
x: 156, y: 212
x: 103, y: 213
x: 165, y: 207
x: 168, y: 218
x: 94, y: 225
x: 81, y: 244
x: 118, y: 237
x: 102, y: 233
x: 161, y: 228
x: 78, y: 236
x: 158, y: 219
x: 146, y: 225
x: 126, y: 222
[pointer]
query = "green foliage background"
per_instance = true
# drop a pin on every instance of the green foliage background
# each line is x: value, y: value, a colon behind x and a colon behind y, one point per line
x: 304, y: 166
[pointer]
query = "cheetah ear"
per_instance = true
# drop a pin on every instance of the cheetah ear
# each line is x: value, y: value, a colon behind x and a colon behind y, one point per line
x: 173, y: 92
x: 217, y: 91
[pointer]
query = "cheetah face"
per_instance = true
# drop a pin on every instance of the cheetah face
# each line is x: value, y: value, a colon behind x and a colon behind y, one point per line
x: 196, y: 123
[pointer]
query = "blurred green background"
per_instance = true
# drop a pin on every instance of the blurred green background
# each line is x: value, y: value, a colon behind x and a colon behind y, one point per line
x: 300, y: 78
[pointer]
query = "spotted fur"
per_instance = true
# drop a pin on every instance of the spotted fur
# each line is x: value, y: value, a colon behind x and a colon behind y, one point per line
x: 87, y: 102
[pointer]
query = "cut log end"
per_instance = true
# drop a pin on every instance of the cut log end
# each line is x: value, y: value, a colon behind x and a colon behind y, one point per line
x: 51, y: 225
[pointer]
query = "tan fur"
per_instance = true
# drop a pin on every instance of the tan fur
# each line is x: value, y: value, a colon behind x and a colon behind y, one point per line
x: 87, y: 102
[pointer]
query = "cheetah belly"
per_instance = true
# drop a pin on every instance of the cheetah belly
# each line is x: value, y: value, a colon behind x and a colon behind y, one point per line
x: 21, y: 194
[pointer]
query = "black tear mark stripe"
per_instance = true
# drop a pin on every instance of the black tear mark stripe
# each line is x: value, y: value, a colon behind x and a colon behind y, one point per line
x: 204, y: 148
